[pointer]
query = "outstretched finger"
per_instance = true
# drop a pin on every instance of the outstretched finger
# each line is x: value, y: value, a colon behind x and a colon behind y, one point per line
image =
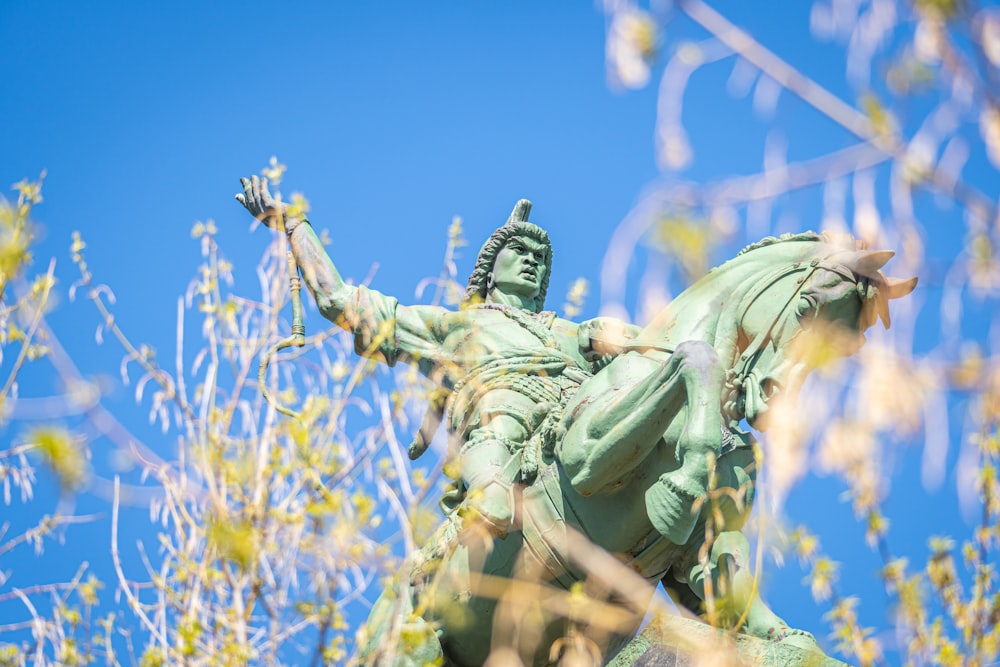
x: 255, y: 193
x: 265, y: 195
x: 241, y: 199
x: 247, y: 197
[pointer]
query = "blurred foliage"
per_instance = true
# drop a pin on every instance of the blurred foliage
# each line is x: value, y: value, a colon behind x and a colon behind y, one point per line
x: 688, y: 240
x: 61, y: 452
x: 271, y: 530
x: 575, y: 298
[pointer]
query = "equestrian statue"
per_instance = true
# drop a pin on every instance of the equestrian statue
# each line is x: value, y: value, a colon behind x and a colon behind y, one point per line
x: 593, y: 460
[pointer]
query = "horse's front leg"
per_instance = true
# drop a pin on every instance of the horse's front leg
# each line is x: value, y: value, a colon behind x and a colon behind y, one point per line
x: 615, y: 421
x: 727, y: 569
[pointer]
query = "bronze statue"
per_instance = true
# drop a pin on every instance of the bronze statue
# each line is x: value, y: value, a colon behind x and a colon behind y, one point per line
x: 575, y: 435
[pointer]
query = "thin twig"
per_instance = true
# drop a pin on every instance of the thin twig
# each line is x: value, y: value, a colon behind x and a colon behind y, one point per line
x: 32, y: 329
x: 122, y: 581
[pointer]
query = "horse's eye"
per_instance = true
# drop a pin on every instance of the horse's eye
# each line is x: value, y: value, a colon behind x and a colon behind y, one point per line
x: 807, y: 307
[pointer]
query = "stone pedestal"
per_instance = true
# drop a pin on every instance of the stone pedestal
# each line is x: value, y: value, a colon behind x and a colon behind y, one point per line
x: 673, y: 641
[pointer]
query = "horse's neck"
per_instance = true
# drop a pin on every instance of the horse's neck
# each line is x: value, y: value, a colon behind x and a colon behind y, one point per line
x: 706, y: 311
x: 711, y: 309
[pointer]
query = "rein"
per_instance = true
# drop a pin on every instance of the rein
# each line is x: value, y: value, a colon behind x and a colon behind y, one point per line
x: 297, y: 339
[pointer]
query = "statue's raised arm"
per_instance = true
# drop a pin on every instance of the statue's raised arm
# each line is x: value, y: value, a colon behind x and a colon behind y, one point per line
x: 382, y: 328
x: 332, y: 294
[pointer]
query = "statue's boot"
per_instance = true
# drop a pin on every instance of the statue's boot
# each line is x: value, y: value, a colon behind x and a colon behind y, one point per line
x: 671, y: 501
x: 486, y: 469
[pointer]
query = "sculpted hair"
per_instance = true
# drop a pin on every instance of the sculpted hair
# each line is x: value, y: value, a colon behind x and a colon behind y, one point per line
x: 475, y: 292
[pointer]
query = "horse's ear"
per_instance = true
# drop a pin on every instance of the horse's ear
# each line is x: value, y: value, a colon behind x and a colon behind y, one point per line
x: 898, y: 287
x: 877, y: 298
x: 867, y: 263
x: 874, y: 307
x: 882, y: 308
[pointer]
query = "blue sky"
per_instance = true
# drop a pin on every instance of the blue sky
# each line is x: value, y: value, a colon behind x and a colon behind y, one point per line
x: 392, y: 117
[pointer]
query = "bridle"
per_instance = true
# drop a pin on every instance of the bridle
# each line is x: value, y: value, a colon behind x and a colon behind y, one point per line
x: 737, y: 376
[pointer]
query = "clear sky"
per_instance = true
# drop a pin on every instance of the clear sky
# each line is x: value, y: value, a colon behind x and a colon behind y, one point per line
x: 393, y: 117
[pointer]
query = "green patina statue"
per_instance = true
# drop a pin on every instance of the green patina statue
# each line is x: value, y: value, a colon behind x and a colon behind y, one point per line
x: 597, y: 459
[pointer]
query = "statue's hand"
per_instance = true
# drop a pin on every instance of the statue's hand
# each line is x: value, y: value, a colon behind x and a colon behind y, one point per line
x: 605, y: 336
x: 257, y: 199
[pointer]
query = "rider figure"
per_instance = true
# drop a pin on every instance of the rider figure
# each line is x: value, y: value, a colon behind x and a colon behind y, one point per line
x: 502, y: 358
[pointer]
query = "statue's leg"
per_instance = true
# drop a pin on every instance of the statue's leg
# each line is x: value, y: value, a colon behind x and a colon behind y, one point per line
x: 732, y: 584
x: 486, y: 468
x: 622, y: 413
x: 460, y: 596
x: 395, y: 636
x: 490, y: 457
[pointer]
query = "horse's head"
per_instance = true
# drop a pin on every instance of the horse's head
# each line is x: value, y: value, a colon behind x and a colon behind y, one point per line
x: 799, y: 313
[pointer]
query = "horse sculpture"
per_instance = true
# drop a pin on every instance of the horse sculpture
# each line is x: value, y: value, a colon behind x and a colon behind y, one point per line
x: 643, y: 476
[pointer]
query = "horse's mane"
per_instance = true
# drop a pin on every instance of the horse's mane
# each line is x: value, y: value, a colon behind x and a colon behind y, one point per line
x: 873, y: 284
x: 831, y: 238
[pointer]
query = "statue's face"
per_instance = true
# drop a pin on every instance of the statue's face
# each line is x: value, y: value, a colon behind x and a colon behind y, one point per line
x: 520, y: 267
